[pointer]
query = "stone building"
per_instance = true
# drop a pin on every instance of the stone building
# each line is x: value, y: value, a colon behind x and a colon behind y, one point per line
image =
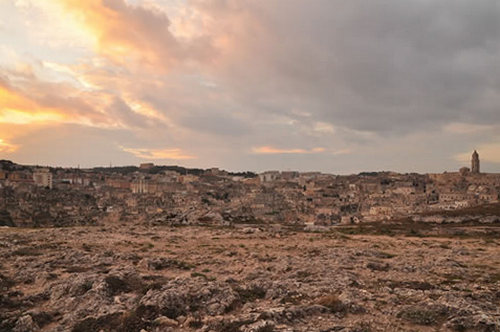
x: 147, y: 166
x: 43, y: 178
x: 117, y: 182
x: 464, y: 171
x: 269, y: 176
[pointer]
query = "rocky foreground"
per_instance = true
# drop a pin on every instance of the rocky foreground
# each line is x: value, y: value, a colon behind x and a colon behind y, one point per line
x: 134, y: 277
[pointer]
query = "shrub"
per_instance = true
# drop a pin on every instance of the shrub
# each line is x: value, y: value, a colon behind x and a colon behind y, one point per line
x: 333, y: 303
x: 117, y: 285
x: 378, y: 267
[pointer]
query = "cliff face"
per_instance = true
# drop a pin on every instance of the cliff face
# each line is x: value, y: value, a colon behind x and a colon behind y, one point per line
x: 41, y: 207
x: 483, y: 214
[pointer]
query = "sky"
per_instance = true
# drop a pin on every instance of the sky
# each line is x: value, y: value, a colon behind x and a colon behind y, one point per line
x: 319, y: 85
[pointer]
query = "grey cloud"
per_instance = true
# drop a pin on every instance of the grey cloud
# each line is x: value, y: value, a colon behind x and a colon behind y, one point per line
x: 122, y: 112
x: 383, y: 66
x: 217, y: 124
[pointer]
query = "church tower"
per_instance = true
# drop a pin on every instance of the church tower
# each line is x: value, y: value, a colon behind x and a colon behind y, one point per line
x: 475, y: 163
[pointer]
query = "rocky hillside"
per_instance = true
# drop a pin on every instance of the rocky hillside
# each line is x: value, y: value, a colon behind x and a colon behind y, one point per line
x: 137, y: 278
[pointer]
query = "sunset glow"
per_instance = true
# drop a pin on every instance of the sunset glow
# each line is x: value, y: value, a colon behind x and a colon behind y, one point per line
x: 159, y: 154
x: 272, y: 150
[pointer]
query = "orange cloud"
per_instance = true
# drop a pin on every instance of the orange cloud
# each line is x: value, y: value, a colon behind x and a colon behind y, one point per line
x: 272, y: 150
x: 125, y: 32
x: 466, y: 128
x: 17, y: 109
x: 158, y: 154
x: 41, y: 102
x: 6, y: 147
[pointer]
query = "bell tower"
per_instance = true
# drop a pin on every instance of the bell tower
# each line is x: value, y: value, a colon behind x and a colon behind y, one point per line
x: 475, y: 163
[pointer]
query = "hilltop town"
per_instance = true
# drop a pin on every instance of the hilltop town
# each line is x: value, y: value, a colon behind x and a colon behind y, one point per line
x: 166, y: 248
x: 172, y: 195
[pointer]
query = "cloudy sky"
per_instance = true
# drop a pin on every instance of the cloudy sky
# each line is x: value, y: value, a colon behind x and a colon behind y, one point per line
x: 329, y: 85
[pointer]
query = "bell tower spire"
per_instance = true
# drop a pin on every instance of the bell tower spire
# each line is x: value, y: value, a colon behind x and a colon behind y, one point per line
x: 475, y: 163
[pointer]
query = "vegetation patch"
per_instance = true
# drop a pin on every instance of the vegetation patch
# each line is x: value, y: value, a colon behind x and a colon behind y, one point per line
x: 375, y: 266
x: 424, y: 315
x: 165, y: 263
x: 109, y: 322
x: 77, y: 269
x: 250, y: 294
x: 5, y: 282
x: 384, y: 255
x: 43, y: 318
x: 452, y: 278
x: 417, y: 285
x: 480, y: 210
x: 293, y: 298
x: 231, y: 326
x: 493, y: 278
x: 27, y: 251
x: 202, y: 275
